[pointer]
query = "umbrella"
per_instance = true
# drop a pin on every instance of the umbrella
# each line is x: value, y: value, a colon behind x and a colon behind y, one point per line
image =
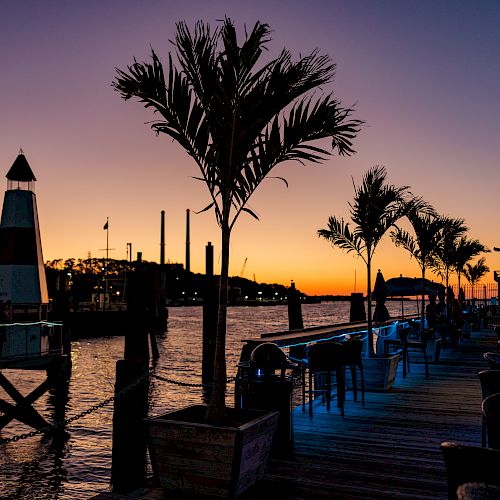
x: 409, y: 287
x: 380, y: 291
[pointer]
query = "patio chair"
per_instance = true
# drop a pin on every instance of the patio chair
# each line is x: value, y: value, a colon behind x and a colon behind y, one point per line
x: 325, y: 358
x: 491, y: 414
x: 405, y: 345
x: 493, y: 359
x: 490, y: 384
x: 468, y: 463
x: 352, y: 358
x: 478, y: 491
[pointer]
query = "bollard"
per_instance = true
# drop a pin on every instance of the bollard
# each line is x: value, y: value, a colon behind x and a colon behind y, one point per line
x: 357, y: 312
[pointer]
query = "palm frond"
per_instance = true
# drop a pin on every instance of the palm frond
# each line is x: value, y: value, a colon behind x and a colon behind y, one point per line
x: 339, y: 234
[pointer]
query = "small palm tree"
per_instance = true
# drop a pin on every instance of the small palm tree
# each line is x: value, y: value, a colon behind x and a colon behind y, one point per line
x: 376, y: 208
x: 238, y: 120
x: 429, y: 231
x: 475, y: 272
x: 464, y: 251
x: 446, y: 253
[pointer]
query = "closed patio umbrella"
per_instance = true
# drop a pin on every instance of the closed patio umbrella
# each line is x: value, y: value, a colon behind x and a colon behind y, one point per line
x: 380, y: 291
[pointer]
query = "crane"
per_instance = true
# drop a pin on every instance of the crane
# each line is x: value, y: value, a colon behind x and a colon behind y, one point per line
x: 243, y: 267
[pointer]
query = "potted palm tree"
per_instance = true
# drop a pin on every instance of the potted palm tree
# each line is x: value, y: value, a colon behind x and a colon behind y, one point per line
x: 473, y: 274
x: 465, y: 250
x: 377, y: 206
x: 237, y: 118
x: 428, y: 228
x: 445, y: 256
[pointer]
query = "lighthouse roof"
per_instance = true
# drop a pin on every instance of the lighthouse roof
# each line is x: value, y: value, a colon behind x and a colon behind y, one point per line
x: 21, y: 170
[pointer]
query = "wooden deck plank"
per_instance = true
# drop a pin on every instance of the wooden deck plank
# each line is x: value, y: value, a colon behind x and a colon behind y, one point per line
x: 388, y: 449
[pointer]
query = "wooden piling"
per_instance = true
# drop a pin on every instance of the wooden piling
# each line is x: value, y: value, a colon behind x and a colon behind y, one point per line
x: 295, y: 321
x: 128, y: 468
x: 357, y: 311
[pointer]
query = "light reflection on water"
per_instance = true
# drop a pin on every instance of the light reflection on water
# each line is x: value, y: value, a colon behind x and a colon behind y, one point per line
x: 78, y: 466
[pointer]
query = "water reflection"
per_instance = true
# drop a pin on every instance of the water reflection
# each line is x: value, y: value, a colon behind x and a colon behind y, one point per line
x: 77, y: 464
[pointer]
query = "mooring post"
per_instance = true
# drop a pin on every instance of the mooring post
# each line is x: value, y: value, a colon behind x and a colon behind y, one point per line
x: 128, y: 469
x: 295, y: 321
x: 128, y: 466
x: 210, y: 309
x: 357, y: 312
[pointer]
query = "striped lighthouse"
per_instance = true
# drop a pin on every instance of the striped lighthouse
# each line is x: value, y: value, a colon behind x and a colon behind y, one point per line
x: 23, y: 287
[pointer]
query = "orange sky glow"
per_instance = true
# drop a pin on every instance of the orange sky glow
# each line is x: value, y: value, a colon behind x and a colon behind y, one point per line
x: 423, y: 75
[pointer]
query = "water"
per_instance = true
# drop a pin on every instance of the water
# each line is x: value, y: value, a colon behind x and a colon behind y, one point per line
x: 79, y: 465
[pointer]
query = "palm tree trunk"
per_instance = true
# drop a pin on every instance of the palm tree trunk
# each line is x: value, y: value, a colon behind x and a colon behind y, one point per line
x: 422, y: 306
x: 447, y: 298
x: 217, y: 405
x: 459, y: 275
x: 369, y: 348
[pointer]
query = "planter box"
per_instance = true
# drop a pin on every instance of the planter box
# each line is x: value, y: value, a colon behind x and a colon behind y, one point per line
x: 193, y: 457
x: 380, y: 372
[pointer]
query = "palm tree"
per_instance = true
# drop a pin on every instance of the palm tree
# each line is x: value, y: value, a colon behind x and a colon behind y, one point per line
x: 445, y: 255
x: 475, y: 272
x: 238, y: 121
x: 377, y: 207
x: 429, y: 231
x: 464, y: 251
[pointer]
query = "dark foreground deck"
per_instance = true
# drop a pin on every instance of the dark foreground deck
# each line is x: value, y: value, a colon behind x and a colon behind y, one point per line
x: 387, y: 449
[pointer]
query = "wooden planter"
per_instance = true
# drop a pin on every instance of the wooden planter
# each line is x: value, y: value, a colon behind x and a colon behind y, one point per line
x: 380, y: 371
x: 193, y: 457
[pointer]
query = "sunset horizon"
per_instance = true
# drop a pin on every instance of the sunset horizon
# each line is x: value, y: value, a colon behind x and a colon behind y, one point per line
x: 421, y: 76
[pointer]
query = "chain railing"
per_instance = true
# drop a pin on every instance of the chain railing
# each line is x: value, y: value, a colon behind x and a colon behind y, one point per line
x: 63, y: 423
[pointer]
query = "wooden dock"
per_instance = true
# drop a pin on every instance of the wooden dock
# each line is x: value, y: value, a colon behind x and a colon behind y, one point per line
x: 388, y: 449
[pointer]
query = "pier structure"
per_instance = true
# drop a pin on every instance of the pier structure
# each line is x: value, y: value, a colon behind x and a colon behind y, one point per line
x: 27, y: 339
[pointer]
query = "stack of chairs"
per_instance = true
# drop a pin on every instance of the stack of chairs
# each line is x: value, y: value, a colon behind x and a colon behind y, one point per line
x: 490, y: 385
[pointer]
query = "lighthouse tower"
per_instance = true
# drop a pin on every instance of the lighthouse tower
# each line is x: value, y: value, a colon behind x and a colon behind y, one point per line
x: 23, y: 286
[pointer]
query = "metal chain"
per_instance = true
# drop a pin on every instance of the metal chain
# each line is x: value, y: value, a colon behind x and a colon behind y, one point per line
x: 63, y: 423
x: 188, y: 384
x: 102, y: 404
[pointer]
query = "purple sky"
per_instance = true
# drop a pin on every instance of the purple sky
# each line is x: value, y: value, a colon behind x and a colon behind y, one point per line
x: 425, y: 75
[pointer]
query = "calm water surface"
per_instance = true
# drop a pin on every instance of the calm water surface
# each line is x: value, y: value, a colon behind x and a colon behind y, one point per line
x: 78, y: 465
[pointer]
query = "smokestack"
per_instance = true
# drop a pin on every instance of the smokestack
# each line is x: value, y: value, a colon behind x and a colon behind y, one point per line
x: 162, y: 238
x: 188, y: 256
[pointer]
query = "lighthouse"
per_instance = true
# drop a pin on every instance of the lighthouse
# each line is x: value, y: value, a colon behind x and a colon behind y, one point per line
x: 23, y: 286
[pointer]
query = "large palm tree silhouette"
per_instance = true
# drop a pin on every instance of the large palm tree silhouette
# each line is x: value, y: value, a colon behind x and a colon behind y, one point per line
x: 377, y: 206
x: 238, y: 120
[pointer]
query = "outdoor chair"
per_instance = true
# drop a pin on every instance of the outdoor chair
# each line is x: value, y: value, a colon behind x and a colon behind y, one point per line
x: 325, y: 358
x: 493, y: 359
x: 352, y: 358
x: 468, y: 463
x: 491, y: 414
x: 405, y: 344
x: 490, y: 384
x: 478, y: 491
